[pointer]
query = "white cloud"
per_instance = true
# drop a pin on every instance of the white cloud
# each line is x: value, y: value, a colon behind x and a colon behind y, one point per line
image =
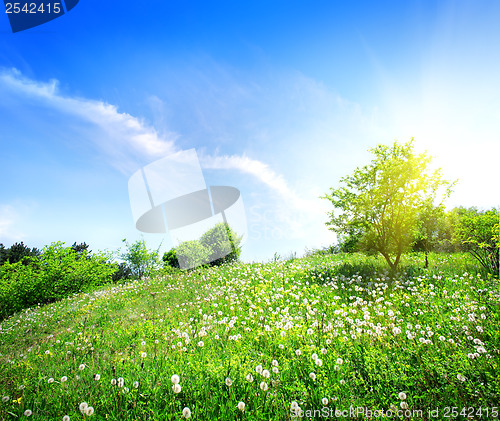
x: 117, y: 131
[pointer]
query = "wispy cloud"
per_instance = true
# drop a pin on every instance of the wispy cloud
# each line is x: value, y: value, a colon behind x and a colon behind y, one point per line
x: 121, y: 136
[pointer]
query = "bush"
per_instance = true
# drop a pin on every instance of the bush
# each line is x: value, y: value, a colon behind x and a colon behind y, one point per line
x: 170, y: 259
x: 223, y: 243
x: 57, y: 273
x: 191, y: 254
x: 139, y: 259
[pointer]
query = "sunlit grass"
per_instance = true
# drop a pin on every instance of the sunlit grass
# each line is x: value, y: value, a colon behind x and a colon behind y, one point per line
x: 324, y: 331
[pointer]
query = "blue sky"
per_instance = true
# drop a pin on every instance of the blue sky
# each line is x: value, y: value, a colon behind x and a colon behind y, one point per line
x: 280, y: 99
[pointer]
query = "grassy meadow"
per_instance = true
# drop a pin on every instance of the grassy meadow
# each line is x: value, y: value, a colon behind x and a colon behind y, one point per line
x: 292, y: 339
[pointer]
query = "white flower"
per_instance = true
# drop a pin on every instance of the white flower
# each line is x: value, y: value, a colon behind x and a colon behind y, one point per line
x: 66, y: 418
x: 81, y: 367
x: 342, y: 381
x: 175, y: 379
x: 83, y: 406
x: 460, y: 377
x: 136, y: 385
x: 258, y: 369
x: 314, y: 356
x: 298, y: 352
x: 27, y: 413
x: 323, y: 351
x: 403, y: 405
x: 143, y: 343
x: 309, y: 331
x: 201, y: 343
x: 319, y: 362
x: 275, y: 363
x: 266, y: 374
x: 312, y: 376
x: 229, y: 382
x: 249, y: 378
x: 89, y: 411
x: 51, y: 380
x: 144, y: 354
x: 324, y: 401
x: 241, y: 406
x: 5, y: 399
x: 340, y: 361
x: 402, y: 396
x: 97, y: 377
x: 186, y: 412
x: 176, y: 388
x: 63, y: 379
x: 263, y: 386
x: 275, y: 370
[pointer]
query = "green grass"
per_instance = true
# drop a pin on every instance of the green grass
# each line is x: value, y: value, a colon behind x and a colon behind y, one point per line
x: 415, y: 333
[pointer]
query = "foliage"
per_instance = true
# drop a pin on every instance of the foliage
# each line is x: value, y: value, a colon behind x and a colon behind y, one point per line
x: 16, y: 253
x: 381, y: 202
x: 478, y: 231
x: 139, y: 259
x: 223, y: 243
x: 57, y: 273
x: 191, y: 254
x: 170, y: 258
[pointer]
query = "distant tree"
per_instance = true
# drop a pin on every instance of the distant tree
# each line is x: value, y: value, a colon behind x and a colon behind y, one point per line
x: 17, y: 252
x: 170, y: 258
x: 139, y: 259
x: 82, y: 248
x: 191, y: 254
x: 478, y: 232
x: 383, y: 200
x: 224, y: 244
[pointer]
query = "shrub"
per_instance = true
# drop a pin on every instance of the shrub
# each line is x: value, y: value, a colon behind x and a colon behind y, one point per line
x: 57, y: 273
x: 191, y: 254
x: 223, y: 243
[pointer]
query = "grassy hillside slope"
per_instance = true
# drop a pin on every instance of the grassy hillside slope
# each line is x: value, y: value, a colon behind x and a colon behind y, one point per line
x: 261, y: 342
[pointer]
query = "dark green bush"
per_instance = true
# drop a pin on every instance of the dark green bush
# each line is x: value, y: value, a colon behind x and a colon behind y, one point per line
x: 57, y: 273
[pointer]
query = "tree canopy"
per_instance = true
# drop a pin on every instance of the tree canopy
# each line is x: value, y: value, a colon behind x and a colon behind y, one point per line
x: 381, y: 203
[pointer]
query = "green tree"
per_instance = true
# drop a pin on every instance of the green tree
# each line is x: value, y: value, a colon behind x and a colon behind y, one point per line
x: 383, y: 200
x: 170, y: 258
x: 223, y: 243
x: 191, y: 254
x: 478, y: 232
x: 139, y: 259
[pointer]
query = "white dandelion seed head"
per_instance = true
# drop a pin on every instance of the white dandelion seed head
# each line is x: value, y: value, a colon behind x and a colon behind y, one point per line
x: 65, y: 418
x: 186, y: 412
x: 324, y: 401
x: 28, y: 413
x: 89, y: 411
x: 241, y: 406
x: 266, y: 374
x: 175, y: 379
x: 312, y: 376
x: 176, y: 388
x: 298, y: 352
x: 402, y: 396
x: 263, y: 386
x: 228, y: 382
x: 83, y: 406
x: 5, y: 399
x: 81, y: 367
x: 258, y: 369
x: 249, y: 378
